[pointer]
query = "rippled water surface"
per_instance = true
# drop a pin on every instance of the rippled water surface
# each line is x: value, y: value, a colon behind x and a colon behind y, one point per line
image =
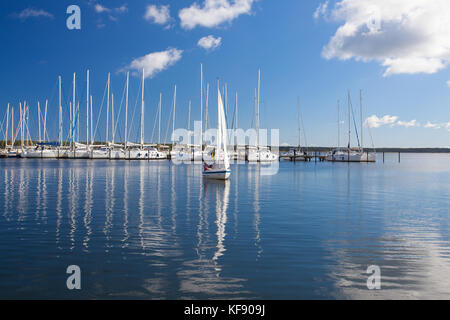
x: 153, y: 230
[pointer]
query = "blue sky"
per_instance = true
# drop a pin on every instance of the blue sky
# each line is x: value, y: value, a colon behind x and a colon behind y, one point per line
x: 403, y: 77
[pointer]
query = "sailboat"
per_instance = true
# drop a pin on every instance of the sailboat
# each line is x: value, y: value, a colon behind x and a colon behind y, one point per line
x: 349, y: 154
x: 220, y: 170
x: 259, y: 153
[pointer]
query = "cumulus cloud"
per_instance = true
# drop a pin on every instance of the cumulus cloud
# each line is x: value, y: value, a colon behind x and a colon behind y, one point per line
x: 213, y: 13
x: 154, y: 63
x: 32, y: 13
x: 375, y: 122
x: 404, y: 36
x: 210, y: 42
x: 158, y: 14
x: 408, y: 124
x: 430, y: 125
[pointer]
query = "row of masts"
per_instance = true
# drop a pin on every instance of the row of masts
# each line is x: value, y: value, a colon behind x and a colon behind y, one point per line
x: 73, y: 130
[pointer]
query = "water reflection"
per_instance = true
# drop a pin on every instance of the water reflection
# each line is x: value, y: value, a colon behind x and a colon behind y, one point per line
x: 202, y: 277
x: 156, y: 230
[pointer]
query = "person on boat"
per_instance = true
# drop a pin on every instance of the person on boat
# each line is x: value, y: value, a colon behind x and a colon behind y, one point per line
x: 207, y: 167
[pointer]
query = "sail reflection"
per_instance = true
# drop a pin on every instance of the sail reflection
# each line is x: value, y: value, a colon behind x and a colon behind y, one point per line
x: 202, y: 277
x: 167, y: 222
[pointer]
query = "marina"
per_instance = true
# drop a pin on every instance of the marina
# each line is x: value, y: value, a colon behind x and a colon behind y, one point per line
x: 228, y: 156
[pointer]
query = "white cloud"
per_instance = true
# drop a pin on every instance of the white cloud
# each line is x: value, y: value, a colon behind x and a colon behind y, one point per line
x: 321, y: 10
x: 375, y: 122
x: 447, y: 126
x: 213, y: 13
x: 404, y: 36
x: 158, y: 14
x: 408, y: 124
x: 112, y: 13
x: 430, y: 125
x: 448, y: 83
x: 100, y: 9
x: 155, y: 62
x: 33, y: 13
x: 210, y: 42
x: 123, y: 8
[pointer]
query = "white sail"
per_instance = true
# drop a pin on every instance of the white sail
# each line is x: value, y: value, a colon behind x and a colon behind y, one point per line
x: 223, y: 133
x: 221, y: 168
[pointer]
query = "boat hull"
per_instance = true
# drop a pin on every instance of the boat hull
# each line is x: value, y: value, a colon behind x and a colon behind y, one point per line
x: 40, y: 154
x: 352, y: 157
x: 217, y: 174
x: 263, y: 156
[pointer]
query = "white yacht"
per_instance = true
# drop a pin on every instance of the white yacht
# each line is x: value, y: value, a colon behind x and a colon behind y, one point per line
x: 261, y: 154
x: 42, y: 150
x: 220, y: 169
x: 350, y: 155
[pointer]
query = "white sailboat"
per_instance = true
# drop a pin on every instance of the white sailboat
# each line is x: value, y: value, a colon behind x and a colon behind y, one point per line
x: 220, y: 170
x: 349, y: 154
x: 259, y: 153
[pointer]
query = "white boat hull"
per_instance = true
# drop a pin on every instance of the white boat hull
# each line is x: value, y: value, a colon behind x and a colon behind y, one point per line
x: 351, y: 157
x: 217, y: 174
x: 39, y: 154
x: 263, y: 156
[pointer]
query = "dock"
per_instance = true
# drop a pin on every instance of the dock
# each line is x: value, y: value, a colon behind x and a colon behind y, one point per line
x: 316, y: 156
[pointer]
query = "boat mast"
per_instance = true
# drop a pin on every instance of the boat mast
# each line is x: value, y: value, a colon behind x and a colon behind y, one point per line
x: 339, y: 124
x: 226, y: 98
x: 27, y: 111
x: 236, y: 113
x: 71, y: 126
x: 45, y: 121
x: 206, y: 111
x: 39, y: 121
x: 92, y: 132
x: 142, y: 109
x: 349, y: 121
x: 201, y: 106
x: 159, y: 118
x: 78, y: 121
x: 107, y: 108
x: 219, y: 129
x: 7, y: 126
x: 173, y: 120
x: 60, y: 113
x: 126, y: 112
x: 21, y: 125
x: 113, y: 119
x: 257, y: 114
x: 189, y: 117
x: 12, y: 128
x: 73, y: 112
x: 361, y: 116
x: 299, y: 125
x: 87, y: 110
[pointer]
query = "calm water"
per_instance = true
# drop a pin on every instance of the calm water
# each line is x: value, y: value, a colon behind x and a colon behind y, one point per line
x: 153, y: 230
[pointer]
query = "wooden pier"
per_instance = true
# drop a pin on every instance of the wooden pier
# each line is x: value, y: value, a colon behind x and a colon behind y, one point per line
x: 316, y: 157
